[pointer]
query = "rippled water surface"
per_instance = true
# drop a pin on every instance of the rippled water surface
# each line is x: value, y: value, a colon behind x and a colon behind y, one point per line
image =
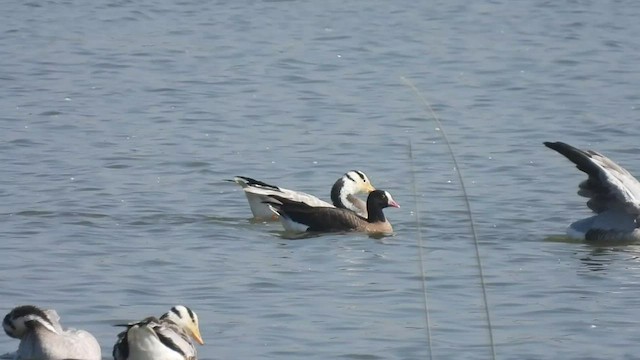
x: 120, y: 122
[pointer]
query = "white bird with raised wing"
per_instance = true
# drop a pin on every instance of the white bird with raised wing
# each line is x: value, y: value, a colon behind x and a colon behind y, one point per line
x: 614, y: 195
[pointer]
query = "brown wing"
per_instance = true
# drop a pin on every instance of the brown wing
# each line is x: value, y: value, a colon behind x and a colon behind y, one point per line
x: 320, y: 219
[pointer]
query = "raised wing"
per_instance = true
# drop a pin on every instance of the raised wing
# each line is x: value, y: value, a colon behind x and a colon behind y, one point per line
x: 609, y: 185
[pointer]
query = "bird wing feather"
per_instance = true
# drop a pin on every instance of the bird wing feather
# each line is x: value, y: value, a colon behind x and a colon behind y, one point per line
x: 609, y: 185
x: 290, y: 195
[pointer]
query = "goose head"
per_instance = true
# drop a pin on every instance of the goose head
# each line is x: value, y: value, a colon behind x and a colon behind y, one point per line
x: 380, y: 199
x: 23, y: 319
x: 186, y: 319
x: 356, y: 182
x: 345, y: 189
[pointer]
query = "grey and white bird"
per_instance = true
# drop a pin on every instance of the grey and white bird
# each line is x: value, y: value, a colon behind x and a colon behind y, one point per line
x: 614, y: 195
x: 343, y: 194
x: 296, y: 216
x: 43, y: 338
x: 167, y: 338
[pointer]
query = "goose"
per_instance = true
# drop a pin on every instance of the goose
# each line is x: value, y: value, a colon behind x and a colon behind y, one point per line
x: 343, y: 194
x: 614, y: 195
x: 42, y: 337
x: 297, y: 216
x: 167, y: 338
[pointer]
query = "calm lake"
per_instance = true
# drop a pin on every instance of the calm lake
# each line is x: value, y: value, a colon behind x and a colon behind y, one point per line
x: 121, y: 121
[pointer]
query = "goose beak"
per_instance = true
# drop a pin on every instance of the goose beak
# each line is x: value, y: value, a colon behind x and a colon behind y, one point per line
x: 393, y: 203
x: 369, y: 188
x: 195, y: 331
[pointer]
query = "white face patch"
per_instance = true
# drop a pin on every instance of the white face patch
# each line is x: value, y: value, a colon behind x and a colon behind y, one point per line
x: 389, y: 198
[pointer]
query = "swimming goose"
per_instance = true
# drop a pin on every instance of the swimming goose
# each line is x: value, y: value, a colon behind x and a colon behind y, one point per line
x: 42, y: 337
x: 343, y: 194
x: 167, y: 338
x: 300, y: 217
x: 614, y: 195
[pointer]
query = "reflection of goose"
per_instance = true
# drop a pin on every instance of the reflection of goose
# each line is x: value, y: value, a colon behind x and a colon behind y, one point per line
x: 299, y: 217
x: 342, y: 194
x: 42, y: 337
x: 614, y: 195
x: 168, y: 338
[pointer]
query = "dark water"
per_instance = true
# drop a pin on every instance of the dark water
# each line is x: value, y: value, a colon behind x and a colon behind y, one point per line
x: 120, y: 121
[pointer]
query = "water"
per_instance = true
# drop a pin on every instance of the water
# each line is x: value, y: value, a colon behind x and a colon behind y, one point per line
x: 120, y: 122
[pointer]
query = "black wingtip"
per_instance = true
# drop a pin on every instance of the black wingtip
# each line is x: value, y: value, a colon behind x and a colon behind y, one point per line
x: 565, y: 149
x: 580, y: 158
x: 557, y: 145
x: 248, y: 180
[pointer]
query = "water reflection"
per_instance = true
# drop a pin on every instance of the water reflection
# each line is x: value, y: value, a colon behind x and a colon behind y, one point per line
x: 600, y: 258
